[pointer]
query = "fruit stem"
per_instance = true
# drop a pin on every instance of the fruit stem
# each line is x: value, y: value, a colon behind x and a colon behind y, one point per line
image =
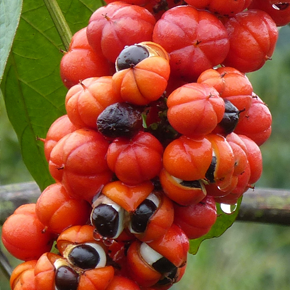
x: 59, y: 22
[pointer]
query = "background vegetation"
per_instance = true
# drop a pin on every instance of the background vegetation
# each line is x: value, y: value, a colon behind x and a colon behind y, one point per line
x: 248, y: 255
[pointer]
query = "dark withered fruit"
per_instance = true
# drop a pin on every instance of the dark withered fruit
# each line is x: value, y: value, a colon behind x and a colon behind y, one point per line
x: 120, y: 120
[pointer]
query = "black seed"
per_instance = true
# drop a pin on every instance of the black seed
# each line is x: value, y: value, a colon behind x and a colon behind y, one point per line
x: 210, y: 172
x: 84, y: 257
x: 230, y: 118
x: 191, y: 183
x: 168, y: 278
x: 130, y: 56
x: 120, y: 120
x: 163, y: 265
x: 281, y: 6
x: 106, y: 220
x: 142, y: 214
x: 66, y: 278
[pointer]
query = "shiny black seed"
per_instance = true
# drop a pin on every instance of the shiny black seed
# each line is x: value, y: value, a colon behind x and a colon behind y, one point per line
x: 210, y: 171
x: 120, y: 120
x: 84, y: 257
x: 131, y: 55
x: 230, y: 118
x: 142, y: 215
x: 66, y: 278
x: 106, y: 220
x: 191, y: 183
x: 163, y: 265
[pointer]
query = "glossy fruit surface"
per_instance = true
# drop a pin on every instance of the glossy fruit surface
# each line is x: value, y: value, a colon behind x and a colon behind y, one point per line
x: 183, y: 32
x: 117, y: 25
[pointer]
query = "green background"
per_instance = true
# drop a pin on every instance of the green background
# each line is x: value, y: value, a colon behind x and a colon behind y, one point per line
x: 248, y: 255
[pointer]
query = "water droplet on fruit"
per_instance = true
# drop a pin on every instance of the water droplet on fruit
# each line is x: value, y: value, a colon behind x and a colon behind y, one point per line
x: 228, y: 208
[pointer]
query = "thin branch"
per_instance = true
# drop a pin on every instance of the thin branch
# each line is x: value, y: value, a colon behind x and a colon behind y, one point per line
x: 262, y: 205
x: 59, y: 22
x: 5, y: 265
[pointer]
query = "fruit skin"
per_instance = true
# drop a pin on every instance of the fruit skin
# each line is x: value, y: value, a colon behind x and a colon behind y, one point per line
x: 127, y: 196
x: 122, y: 283
x: 143, y: 83
x: 253, y: 35
x: 24, y: 236
x: 226, y: 8
x: 74, y: 235
x: 187, y: 158
x: 195, y: 109
x: 22, y: 277
x: 137, y: 160
x: 257, y: 123
x: 196, y: 220
x: 58, y: 129
x: 57, y: 210
x: 85, y: 101
x: 181, y: 194
x: 81, y: 62
x: 280, y: 16
x: 183, y: 32
x: 78, y: 161
x: 232, y: 85
x: 116, y: 25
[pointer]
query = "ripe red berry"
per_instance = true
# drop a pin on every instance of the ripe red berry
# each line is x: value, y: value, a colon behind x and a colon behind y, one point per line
x: 78, y: 161
x: 57, y: 210
x: 196, y: 220
x: 195, y: 109
x: 24, y: 236
x: 278, y: 10
x: 137, y: 160
x: 253, y: 35
x: 183, y: 32
x: 117, y: 25
x: 81, y: 62
x: 85, y: 101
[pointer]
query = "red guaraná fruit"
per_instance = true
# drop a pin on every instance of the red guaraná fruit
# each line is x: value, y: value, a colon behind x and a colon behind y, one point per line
x: 188, y: 159
x: 58, y: 129
x: 117, y: 25
x: 135, y: 160
x: 226, y: 8
x: 279, y: 10
x: 57, y: 210
x: 22, y: 277
x: 183, y: 32
x: 81, y: 62
x: 78, y: 161
x: 232, y: 85
x: 257, y: 123
x: 24, y: 236
x: 144, y: 82
x: 85, y: 101
x: 196, y: 220
x: 195, y: 109
x: 253, y: 35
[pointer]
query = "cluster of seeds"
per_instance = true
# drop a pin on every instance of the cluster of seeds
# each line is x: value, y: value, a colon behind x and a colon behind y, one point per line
x: 162, y: 124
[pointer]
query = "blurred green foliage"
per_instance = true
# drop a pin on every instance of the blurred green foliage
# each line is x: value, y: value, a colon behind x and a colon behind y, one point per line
x: 248, y: 255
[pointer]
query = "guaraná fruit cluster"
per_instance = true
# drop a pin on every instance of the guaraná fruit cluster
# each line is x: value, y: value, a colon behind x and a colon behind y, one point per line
x: 162, y: 124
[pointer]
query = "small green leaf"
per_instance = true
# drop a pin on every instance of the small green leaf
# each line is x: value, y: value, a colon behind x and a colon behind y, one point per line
x: 225, y: 219
x: 10, y: 11
x: 33, y: 91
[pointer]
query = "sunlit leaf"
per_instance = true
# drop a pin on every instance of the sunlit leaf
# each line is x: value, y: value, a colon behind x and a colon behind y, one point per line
x: 10, y: 11
x: 32, y: 88
x: 225, y: 219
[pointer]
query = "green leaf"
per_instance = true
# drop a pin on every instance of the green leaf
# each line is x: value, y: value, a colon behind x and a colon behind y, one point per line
x: 225, y: 219
x: 32, y: 88
x: 10, y: 11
